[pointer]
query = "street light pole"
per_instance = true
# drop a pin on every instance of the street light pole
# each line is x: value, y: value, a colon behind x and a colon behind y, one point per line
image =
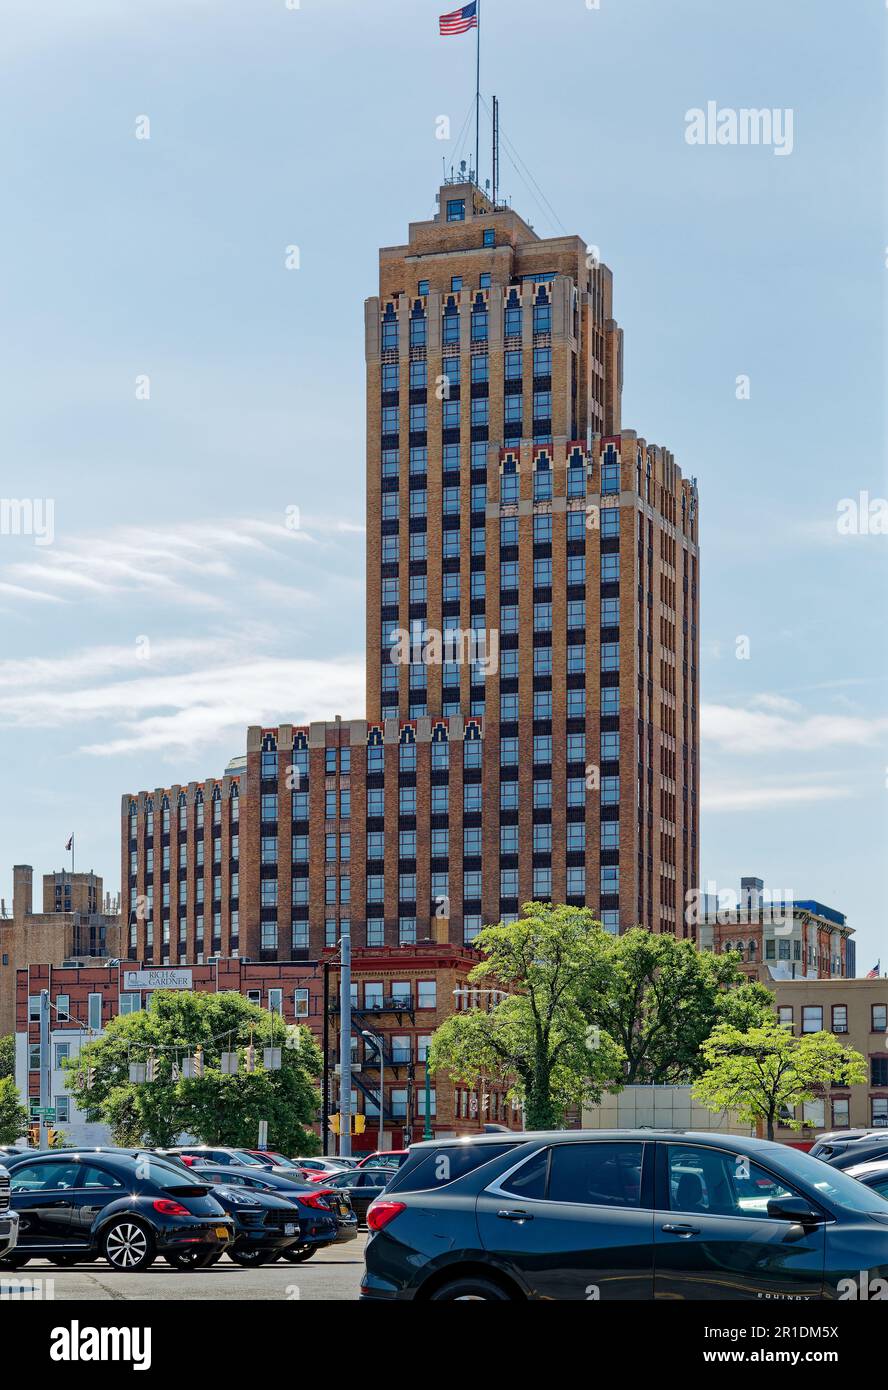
x: 377, y: 1041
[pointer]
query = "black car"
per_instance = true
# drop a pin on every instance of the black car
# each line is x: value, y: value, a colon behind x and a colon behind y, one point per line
x: 127, y: 1207
x: 227, y: 1157
x: 631, y: 1214
x: 266, y: 1225
x: 364, y: 1186
x: 325, y: 1214
x: 849, y: 1152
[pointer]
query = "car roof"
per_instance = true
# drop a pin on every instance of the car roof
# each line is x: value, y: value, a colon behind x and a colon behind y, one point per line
x: 741, y: 1143
x: 879, y: 1165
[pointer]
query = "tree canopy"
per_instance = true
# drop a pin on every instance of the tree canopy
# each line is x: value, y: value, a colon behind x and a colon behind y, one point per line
x: 764, y: 1070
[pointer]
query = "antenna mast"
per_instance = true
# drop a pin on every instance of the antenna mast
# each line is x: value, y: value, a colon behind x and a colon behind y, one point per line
x: 495, y: 148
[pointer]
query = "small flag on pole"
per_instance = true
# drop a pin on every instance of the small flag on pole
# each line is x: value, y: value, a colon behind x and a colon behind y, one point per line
x: 459, y: 21
x: 874, y: 973
x: 70, y: 842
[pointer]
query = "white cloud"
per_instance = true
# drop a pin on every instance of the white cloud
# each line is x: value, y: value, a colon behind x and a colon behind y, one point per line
x: 717, y: 797
x: 782, y: 727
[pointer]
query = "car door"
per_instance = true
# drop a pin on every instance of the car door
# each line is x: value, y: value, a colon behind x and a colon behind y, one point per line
x: 95, y: 1188
x: 714, y: 1238
x: 575, y: 1221
x: 40, y: 1191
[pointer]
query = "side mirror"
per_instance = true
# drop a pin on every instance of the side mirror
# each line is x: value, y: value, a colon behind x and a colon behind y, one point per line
x: 794, y: 1209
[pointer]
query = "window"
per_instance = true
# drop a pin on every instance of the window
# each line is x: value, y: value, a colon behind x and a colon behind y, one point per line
x: 785, y: 1016
x: 529, y: 1181
x: 489, y: 236
x: 94, y: 1012
x: 62, y: 1007
x: 62, y: 1051
x: 880, y: 1018
x: 841, y: 1114
x: 599, y: 1174
x: 130, y: 1003
x: 812, y: 1018
x: 879, y: 1071
x: 840, y: 1018
x: 710, y: 1181
x: 427, y: 994
x: 879, y: 1114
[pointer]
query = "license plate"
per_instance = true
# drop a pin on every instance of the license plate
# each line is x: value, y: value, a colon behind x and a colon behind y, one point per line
x: 343, y: 1209
x: 291, y: 1229
x: 222, y: 1232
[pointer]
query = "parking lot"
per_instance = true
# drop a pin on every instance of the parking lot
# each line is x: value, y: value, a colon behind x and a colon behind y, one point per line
x: 334, y: 1273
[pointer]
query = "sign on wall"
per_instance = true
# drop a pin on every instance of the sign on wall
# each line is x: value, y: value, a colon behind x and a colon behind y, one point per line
x: 157, y: 979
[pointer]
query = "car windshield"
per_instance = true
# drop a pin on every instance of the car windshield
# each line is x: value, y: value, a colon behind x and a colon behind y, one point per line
x: 831, y: 1183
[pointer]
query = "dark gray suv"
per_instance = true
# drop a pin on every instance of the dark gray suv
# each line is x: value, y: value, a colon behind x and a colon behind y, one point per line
x: 623, y: 1214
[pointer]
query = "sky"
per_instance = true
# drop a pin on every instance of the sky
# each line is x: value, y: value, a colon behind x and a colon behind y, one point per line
x: 186, y: 389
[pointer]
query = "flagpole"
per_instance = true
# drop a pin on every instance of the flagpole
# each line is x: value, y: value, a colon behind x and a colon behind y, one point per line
x: 477, y: 92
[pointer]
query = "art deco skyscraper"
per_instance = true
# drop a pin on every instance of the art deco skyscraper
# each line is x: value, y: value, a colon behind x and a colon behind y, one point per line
x: 554, y: 553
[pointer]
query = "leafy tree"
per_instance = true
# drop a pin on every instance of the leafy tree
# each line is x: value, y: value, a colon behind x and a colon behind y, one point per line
x: 659, y: 998
x: 13, y: 1115
x: 758, y: 1071
x: 217, y: 1107
x: 750, y: 1005
x: 7, y: 1055
x: 536, y: 1040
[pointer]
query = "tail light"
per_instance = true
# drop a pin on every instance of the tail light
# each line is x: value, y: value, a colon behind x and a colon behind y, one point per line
x: 317, y: 1199
x: 381, y: 1211
x: 169, y: 1208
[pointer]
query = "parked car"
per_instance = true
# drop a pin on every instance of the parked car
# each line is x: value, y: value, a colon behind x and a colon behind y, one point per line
x: 326, y: 1215
x: 854, y: 1151
x: 620, y: 1215
x: 363, y: 1186
x: 277, y: 1161
x: 9, y: 1221
x: 325, y: 1165
x: 874, y: 1175
x: 81, y: 1203
x: 224, y: 1155
x: 266, y: 1225
x: 841, y: 1136
x: 385, y: 1158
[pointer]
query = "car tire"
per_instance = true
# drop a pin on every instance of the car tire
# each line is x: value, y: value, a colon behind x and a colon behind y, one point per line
x: 297, y: 1253
x: 250, y: 1259
x: 470, y: 1290
x: 128, y: 1246
x: 187, y: 1260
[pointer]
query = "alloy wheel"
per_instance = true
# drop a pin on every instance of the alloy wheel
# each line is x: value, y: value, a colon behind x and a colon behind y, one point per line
x: 126, y: 1246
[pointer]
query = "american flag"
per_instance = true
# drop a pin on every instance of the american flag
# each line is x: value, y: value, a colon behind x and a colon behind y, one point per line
x: 460, y: 21
x: 874, y: 973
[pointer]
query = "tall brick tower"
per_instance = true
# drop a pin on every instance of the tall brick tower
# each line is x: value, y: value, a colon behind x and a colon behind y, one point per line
x: 532, y: 572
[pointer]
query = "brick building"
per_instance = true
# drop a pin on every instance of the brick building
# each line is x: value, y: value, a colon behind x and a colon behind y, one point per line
x: 531, y: 727
x: 779, y: 937
x: 398, y: 996
x: 857, y: 1012
x: 511, y: 517
x: 78, y: 922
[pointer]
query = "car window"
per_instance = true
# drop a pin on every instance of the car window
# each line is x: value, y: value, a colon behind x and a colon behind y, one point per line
x: 881, y: 1187
x: 717, y: 1183
x: 90, y: 1176
x: 599, y: 1174
x: 234, y: 1180
x: 529, y: 1181
x: 432, y: 1168
x: 42, y: 1177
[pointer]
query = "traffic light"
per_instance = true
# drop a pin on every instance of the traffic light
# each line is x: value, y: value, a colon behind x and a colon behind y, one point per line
x: 360, y: 1124
x: 51, y: 1137
x: 34, y: 1136
x: 334, y: 1123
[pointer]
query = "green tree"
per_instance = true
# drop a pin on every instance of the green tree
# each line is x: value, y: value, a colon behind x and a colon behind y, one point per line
x: 217, y: 1107
x: 659, y: 998
x: 536, y: 1040
x: 758, y: 1071
x: 13, y: 1115
x: 750, y: 1005
x: 7, y: 1055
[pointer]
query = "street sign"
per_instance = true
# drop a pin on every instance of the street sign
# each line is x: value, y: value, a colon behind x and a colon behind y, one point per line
x: 47, y: 1111
x: 263, y: 1134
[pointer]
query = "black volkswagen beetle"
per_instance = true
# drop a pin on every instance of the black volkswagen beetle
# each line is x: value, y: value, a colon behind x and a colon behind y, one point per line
x: 266, y: 1225
x: 77, y: 1204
